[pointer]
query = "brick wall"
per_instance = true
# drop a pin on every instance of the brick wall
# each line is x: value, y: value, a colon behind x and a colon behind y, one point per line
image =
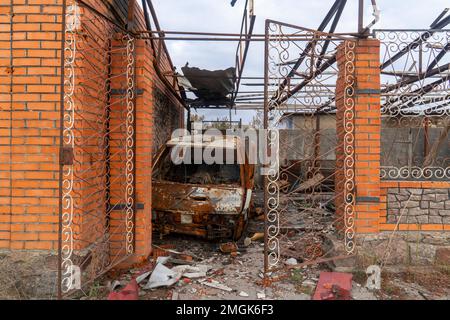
x: 372, y: 194
x: 167, y: 118
x: 30, y: 118
x: 29, y: 123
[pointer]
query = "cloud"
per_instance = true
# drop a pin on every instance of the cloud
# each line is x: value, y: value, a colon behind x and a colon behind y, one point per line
x: 219, y: 16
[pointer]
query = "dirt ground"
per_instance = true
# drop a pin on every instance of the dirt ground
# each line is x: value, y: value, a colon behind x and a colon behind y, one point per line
x: 243, y: 275
x: 32, y: 275
x: 27, y: 275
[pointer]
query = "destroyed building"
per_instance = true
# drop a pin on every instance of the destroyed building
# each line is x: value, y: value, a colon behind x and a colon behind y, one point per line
x: 357, y: 124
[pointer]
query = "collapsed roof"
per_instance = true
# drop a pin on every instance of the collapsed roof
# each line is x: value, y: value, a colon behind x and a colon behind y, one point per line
x: 212, y: 88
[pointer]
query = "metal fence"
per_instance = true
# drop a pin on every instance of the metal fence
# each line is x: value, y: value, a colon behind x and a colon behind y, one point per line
x: 98, y: 148
x: 309, y: 206
x: 415, y: 104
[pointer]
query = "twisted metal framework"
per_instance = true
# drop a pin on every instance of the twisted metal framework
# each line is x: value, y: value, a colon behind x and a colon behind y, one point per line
x: 303, y: 196
x: 415, y: 104
x: 98, y: 147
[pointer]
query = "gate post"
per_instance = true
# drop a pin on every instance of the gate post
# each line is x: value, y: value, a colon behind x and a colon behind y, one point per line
x: 144, y: 145
x: 139, y: 230
x: 365, y: 141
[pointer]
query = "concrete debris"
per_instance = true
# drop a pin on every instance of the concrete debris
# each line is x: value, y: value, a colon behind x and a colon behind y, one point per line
x: 291, y: 261
x: 162, y: 260
x: 192, y: 272
x: 215, y: 284
x: 142, y: 293
x: 115, y: 285
x: 219, y: 272
x: 361, y: 293
x: 162, y: 277
x: 309, y: 283
x: 215, y: 275
x: 143, y: 276
x: 165, y: 277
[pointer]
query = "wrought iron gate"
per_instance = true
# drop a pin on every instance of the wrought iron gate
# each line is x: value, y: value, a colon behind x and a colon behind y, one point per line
x: 309, y: 186
x: 97, y: 175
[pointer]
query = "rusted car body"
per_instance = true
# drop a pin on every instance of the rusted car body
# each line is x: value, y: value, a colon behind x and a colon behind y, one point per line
x: 211, y: 201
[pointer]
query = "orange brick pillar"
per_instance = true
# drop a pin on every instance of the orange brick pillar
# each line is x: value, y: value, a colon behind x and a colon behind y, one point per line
x: 144, y: 143
x: 367, y: 135
x: 366, y: 132
x: 117, y: 181
x: 143, y: 140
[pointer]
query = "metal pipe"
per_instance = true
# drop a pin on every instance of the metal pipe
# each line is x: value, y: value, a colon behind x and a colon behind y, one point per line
x: 155, y: 18
x: 439, y: 17
x: 425, y: 138
x: 296, y: 38
x: 161, y: 33
x: 146, y: 17
x: 331, y: 30
x: 222, y: 34
x: 322, y: 26
x: 376, y: 14
x: 156, y: 65
x: 360, y: 16
x: 417, y: 94
x: 298, y: 87
x: 418, y: 77
x: 414, y: 44
x: 439, y: 56
x: 266, y: 125
x: 247, y: 45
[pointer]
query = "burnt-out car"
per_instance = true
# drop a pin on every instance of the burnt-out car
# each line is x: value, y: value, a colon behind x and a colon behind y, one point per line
x: 211, y: 201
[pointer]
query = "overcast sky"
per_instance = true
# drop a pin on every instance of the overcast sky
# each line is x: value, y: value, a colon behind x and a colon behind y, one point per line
x: 219, y: 16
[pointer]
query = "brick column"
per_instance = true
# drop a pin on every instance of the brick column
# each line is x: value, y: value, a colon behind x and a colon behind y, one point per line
x: 144, y: 143
x: 367, y: 126
x: 143, y: 155
x: 367, y: 135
